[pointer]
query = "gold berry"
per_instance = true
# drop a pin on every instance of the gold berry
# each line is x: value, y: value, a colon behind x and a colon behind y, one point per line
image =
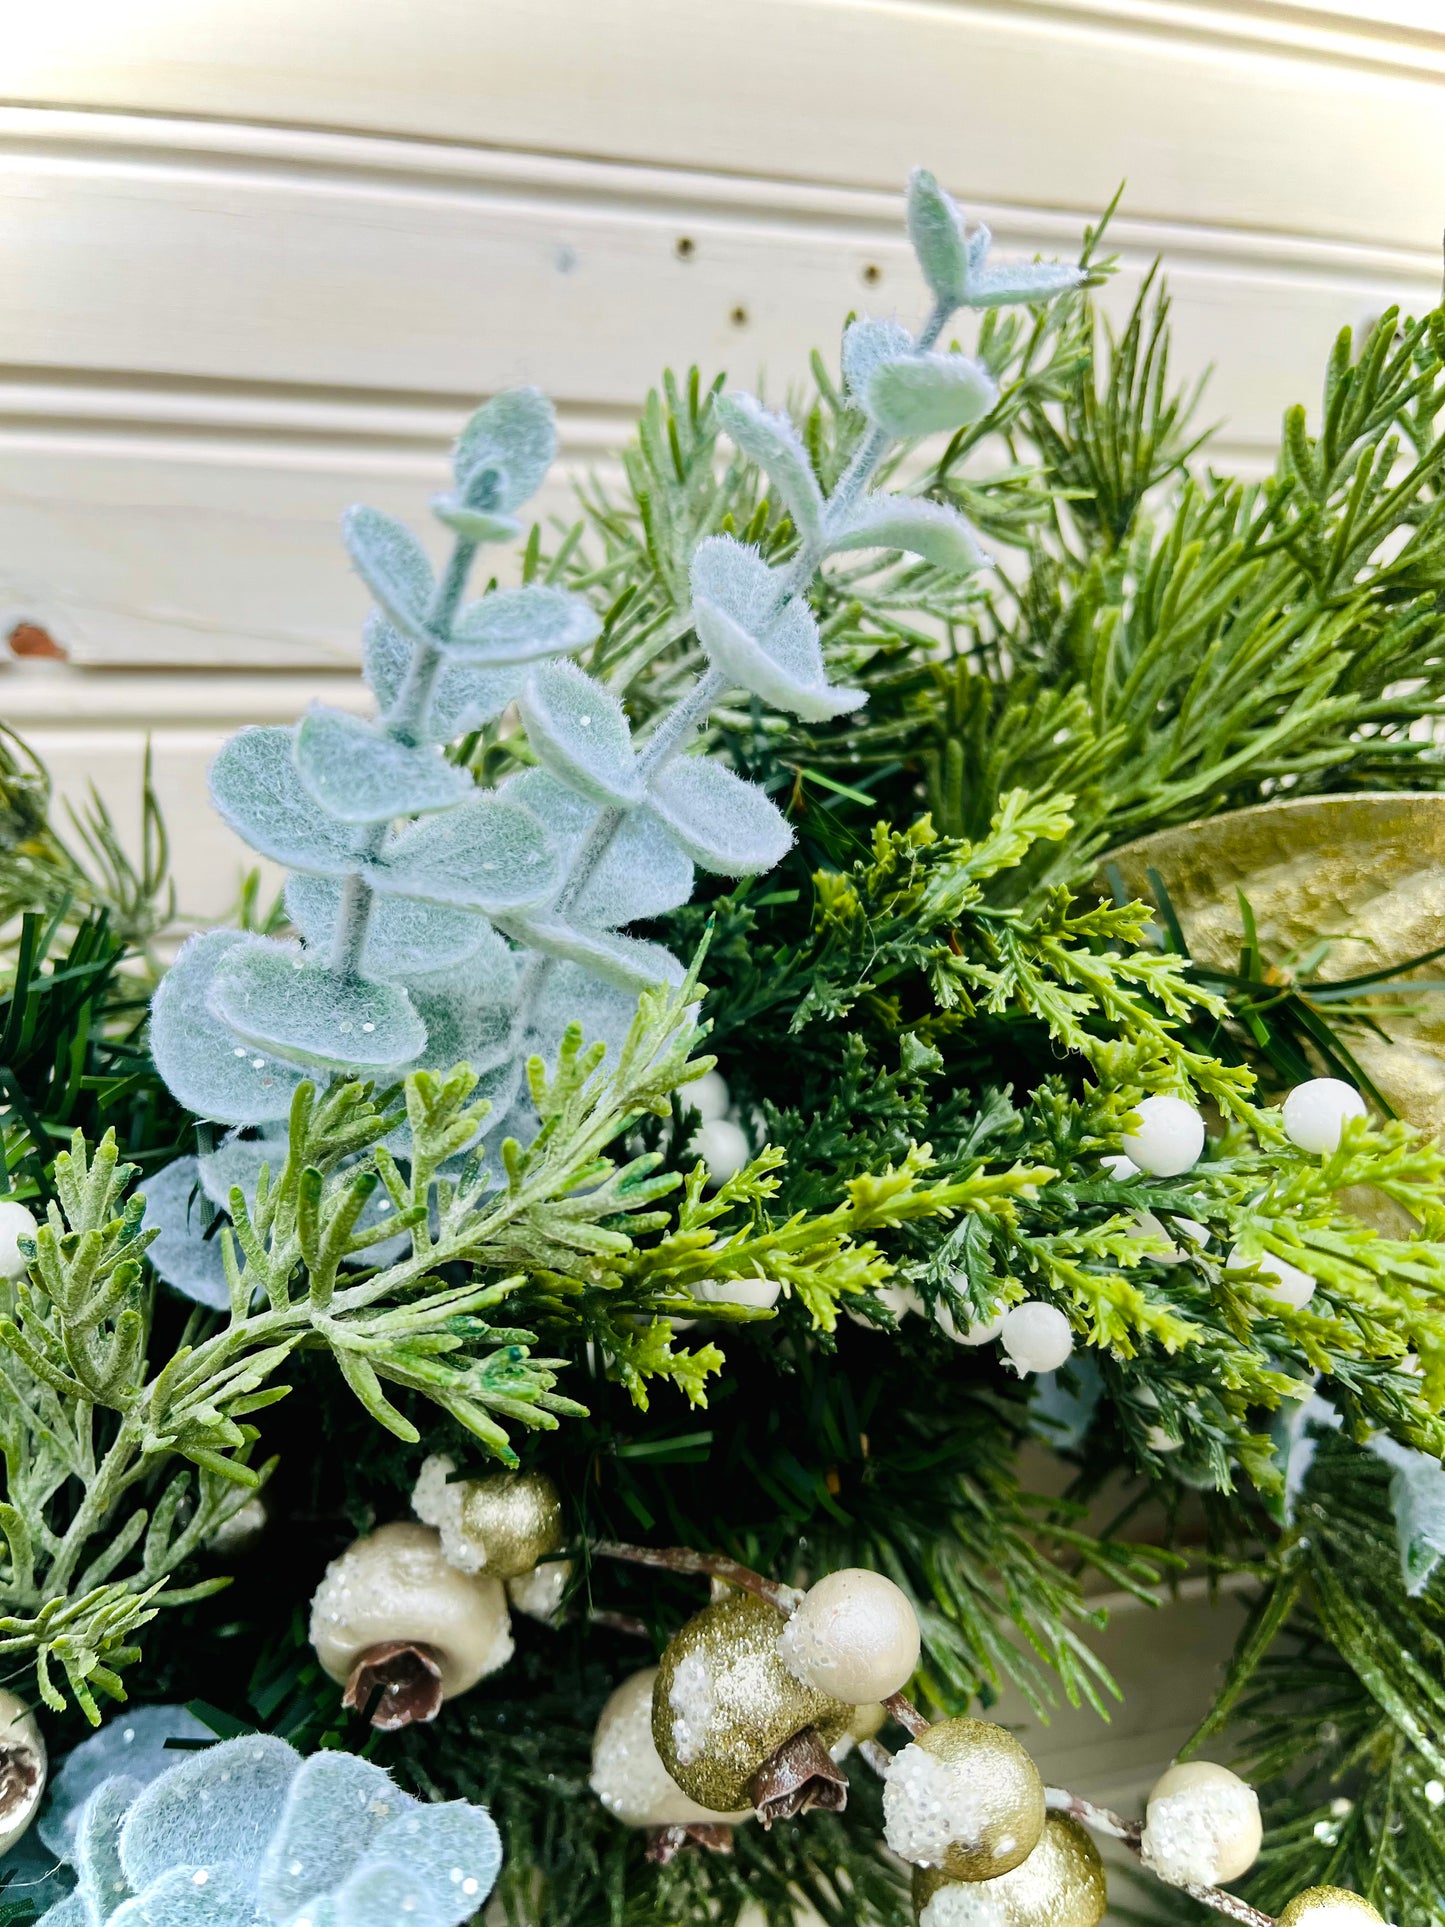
x: 724, y: 1702
x: 1328, y: 1907
x: 1061, y: 1884
x: 966, y: 1798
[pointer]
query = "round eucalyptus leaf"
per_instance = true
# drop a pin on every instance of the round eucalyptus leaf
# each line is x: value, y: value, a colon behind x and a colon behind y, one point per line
x: 579, y: 731
x: 488, y: 855
x: 274, y: 997
x: 257, y: 788
x: 628, y: 961
x: 188, y: 1260
x: 643, y: 873
x: 931, y: 530
x: 358, y: 773
x: 775, y: 445
x: 474, y: 525
x: 392, y: 564
x: 935, y: 227
x: 203, y: 1062
x: 503, y: 453
x: 522, y: 625
x: 928, y: 394
x: 722, y: 821
x: 404, y: 934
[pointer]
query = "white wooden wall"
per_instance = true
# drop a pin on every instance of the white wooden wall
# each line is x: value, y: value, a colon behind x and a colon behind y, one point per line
x: 258, y: 257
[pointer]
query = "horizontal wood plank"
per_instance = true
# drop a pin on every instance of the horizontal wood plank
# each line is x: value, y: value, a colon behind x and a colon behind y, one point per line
x: 1041, y: 104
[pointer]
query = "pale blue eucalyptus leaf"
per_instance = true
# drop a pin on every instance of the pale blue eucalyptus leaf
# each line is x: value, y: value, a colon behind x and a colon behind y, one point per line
x: 404, y: 934
x: 463, y: 696
x: 238, y: 1161
x: 383, y: 1894
x: 71, y: 1910
x: 936, y: 229
x: 204, y: 1063
x: 474, y: 525
x: 769, y: 648
x: 522, y: 625
x: 467, y: 1009
x: 931, y: 530
x: 579, y: 731
x: 257, y: 788
x: 217, y: 1807
x: 453, y: 1852
x: 1062, y: 1404
x: 503, y: 454
x: 774, y: 444
x: 487, y: 855
x: 642, y: 874
x: 867, y: 344
x: 392, y: 564
x: 131, y: 1743
x: 188, y: 1261
x: 358, y: 773
x: 627, y: 961
x: 1021, y: 283
x: 274, y: 997
x: 571, y: 993
x: 101, y: 1879
x: 335, y: 1808
x: 722, y: 821
x: 734, y: 576
x: 1417, y: 1497
x: 193, y: 1896
x: 926, y: 394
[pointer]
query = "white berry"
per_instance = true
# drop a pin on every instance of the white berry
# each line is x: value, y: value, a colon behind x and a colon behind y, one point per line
x: 1036, y: 1336
x: 1202, y: 1825
x: 1181, y: 1235
x: 722, y: 1147
x: 761, y: 1294
x: 1169, y: 1139
x: 855, y: 1636
x: 981, y: 1332
x: 1120, y: 1168
x: 1316, y: 1113
x: 15, y: 1223
x: 709, y: 1097
x: 899, y: 1299
x: 1285, y: 1282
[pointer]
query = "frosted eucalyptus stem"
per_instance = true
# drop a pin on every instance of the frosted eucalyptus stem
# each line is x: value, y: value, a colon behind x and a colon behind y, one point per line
x: 403, y: 722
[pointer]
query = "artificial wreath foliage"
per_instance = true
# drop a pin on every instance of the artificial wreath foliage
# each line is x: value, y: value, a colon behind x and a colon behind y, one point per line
x: 775, y: 654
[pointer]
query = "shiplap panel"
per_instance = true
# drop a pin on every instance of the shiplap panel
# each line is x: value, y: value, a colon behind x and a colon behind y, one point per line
x: 1032, y: 103
x: 204, y: 550
x: 375, y: 277
x: 292, y: 322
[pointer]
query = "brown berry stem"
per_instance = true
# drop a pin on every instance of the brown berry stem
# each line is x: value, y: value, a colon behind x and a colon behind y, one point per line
x: 907, y: 1714
x: 714, y: 1565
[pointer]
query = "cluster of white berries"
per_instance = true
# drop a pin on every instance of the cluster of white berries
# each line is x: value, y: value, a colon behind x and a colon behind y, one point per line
x: 1169, y: 1139
x: 719, y: 1140
x: 1035, y: 1335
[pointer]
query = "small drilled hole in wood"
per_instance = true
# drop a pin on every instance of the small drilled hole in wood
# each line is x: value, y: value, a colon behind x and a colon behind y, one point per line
x: 685, y: 247
x: 739, y: 316
x: 873, y: 274
x: 29, y: 639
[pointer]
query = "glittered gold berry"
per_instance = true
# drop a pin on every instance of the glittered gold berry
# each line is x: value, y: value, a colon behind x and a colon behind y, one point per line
x: 1061, y: 1884
x: 1328, y: 1907
x: 725, y: 1703
x: 964, y: 1797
